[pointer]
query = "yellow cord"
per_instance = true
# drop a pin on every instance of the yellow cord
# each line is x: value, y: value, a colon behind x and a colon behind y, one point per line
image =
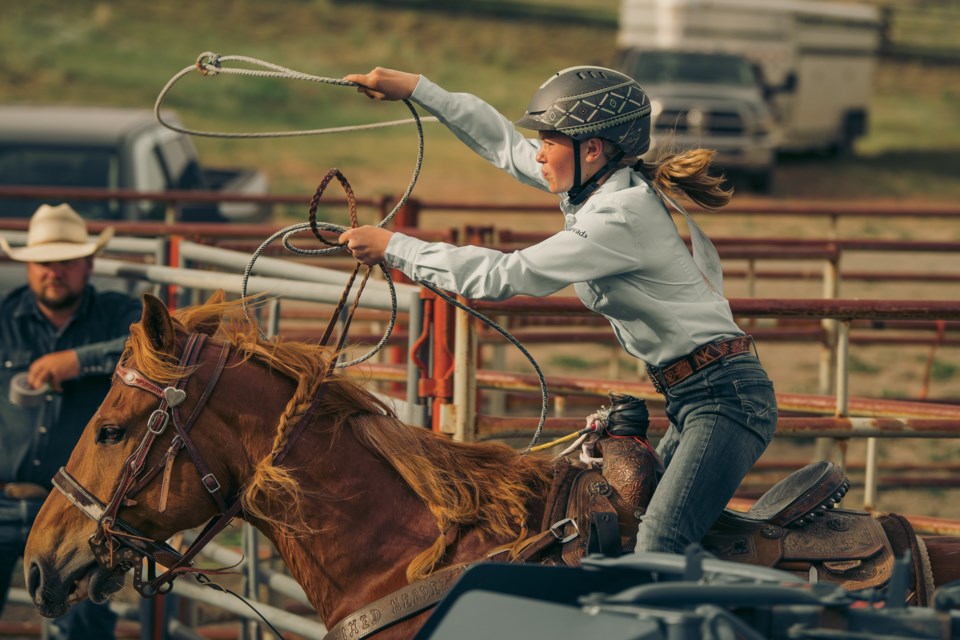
x: 547, y: 445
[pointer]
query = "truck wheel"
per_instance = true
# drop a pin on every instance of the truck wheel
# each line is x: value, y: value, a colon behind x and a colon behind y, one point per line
x: 843, y: 146
x: 854, y: 125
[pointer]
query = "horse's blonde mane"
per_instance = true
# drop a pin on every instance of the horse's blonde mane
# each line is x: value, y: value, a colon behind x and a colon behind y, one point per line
x: 487, y: 486
x: 271, y: 494
x: 484, y: 486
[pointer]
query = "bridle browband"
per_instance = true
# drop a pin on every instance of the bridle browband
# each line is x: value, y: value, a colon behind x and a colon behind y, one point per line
x: 117, y: 544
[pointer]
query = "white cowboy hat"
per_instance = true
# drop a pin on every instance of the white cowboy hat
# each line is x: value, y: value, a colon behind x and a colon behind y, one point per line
x: 56, y: 234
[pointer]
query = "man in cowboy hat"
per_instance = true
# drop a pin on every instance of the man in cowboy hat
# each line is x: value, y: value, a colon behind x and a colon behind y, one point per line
x: 64, y: 339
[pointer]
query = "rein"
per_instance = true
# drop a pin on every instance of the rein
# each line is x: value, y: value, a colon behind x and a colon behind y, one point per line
x: 116, y: 544
x: 341, y: 304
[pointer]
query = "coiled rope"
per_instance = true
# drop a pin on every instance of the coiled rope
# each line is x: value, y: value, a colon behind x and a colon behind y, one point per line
x: 210, y: 64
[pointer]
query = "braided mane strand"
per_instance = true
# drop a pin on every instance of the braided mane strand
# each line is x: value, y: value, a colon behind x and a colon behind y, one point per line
x: 486, y: 486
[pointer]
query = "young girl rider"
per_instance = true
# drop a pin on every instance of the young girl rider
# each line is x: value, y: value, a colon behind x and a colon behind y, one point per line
x: 622, y: 252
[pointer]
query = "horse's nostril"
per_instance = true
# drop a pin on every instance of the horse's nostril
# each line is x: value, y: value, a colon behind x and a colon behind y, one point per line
x: 34, y: 579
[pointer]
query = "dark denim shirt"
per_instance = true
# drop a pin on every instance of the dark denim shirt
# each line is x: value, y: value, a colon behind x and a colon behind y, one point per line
x: 35, y: 442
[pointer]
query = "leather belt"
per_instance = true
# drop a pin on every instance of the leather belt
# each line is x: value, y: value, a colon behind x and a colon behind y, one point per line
x: 679, y: 370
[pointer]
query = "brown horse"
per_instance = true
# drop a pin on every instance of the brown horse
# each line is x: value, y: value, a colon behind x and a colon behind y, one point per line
x: 357, y: 504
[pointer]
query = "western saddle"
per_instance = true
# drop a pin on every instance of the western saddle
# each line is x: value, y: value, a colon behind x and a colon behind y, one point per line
x: 795, y: 526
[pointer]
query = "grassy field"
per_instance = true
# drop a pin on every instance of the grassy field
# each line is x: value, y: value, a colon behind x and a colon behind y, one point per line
x: 122, y: 53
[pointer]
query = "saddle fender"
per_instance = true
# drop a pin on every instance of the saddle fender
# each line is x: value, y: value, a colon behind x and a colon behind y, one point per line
x: 603, y: 506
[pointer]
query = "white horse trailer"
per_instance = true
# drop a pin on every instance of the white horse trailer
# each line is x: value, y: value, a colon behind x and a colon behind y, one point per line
x: 815, y: 58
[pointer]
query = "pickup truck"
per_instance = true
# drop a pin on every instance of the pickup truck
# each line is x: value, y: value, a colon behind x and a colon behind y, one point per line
x: 709, y: 100
x: 814, y: 59
x: 112, y: 148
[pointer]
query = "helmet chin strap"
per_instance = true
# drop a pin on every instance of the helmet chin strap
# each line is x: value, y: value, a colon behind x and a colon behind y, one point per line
x: 579, y: 193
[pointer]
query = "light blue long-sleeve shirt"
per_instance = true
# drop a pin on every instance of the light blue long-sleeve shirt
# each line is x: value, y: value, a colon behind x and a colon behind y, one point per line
x: 620, y: 249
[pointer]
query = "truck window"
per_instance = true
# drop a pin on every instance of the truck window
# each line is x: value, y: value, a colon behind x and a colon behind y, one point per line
x: 658, y: 67
x: 86, y: 167
x: 179, y: 161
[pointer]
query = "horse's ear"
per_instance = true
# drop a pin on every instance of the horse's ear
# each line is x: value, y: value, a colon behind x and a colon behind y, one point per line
x: 217, y: 297
x: 157, y: 324
x: 210, y: 325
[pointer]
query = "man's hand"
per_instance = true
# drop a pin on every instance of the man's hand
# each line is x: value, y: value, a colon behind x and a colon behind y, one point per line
x: 54, y: 368
x: 385, y: 84
x: 367, y: 244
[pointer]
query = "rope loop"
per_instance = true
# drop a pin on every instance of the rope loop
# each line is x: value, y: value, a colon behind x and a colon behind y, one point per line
x: 315, y: 202
x: 208, y: 63
x: 315, y: 226
x: 212, y: 64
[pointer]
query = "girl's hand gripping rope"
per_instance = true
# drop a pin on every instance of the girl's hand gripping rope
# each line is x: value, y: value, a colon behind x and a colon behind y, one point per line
x: 367, y: 244
x: 385, y: 84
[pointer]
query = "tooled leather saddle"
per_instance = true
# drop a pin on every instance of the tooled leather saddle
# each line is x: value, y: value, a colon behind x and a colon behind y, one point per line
x: 794, y: 526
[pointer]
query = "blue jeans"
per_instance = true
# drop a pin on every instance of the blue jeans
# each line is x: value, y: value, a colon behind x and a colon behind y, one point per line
x: 721, y: 420
x: 85, y: 620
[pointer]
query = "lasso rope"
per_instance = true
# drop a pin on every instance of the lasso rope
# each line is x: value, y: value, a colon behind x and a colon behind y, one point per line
x: 506, y: 334
x: 211, y: 64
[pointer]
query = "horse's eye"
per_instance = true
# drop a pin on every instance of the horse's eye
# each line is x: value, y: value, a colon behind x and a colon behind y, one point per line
x: 110, y: 435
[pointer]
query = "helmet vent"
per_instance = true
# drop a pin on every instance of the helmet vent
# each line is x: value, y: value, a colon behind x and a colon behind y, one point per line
x: 595, y: 74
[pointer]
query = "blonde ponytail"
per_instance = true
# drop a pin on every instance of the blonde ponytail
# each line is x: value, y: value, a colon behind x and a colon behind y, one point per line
x: 680, y: 174
x: 687, y: 173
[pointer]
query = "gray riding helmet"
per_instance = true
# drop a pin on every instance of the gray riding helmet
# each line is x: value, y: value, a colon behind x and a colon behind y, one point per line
x: 592, y: 102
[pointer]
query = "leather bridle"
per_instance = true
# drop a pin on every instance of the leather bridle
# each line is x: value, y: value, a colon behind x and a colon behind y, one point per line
x: 117, y: 544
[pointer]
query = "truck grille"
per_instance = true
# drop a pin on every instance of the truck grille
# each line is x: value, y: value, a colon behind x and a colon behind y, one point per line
x: 714, y: 123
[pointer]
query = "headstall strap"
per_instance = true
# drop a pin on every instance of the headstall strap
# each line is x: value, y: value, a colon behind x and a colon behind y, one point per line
x: 136, y: 544
x: 176, y: 445
x: 155, y: 426
x: 210, y: 482
x: 116, y: 544
x: 133, y: 378
x: 103, y: 540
